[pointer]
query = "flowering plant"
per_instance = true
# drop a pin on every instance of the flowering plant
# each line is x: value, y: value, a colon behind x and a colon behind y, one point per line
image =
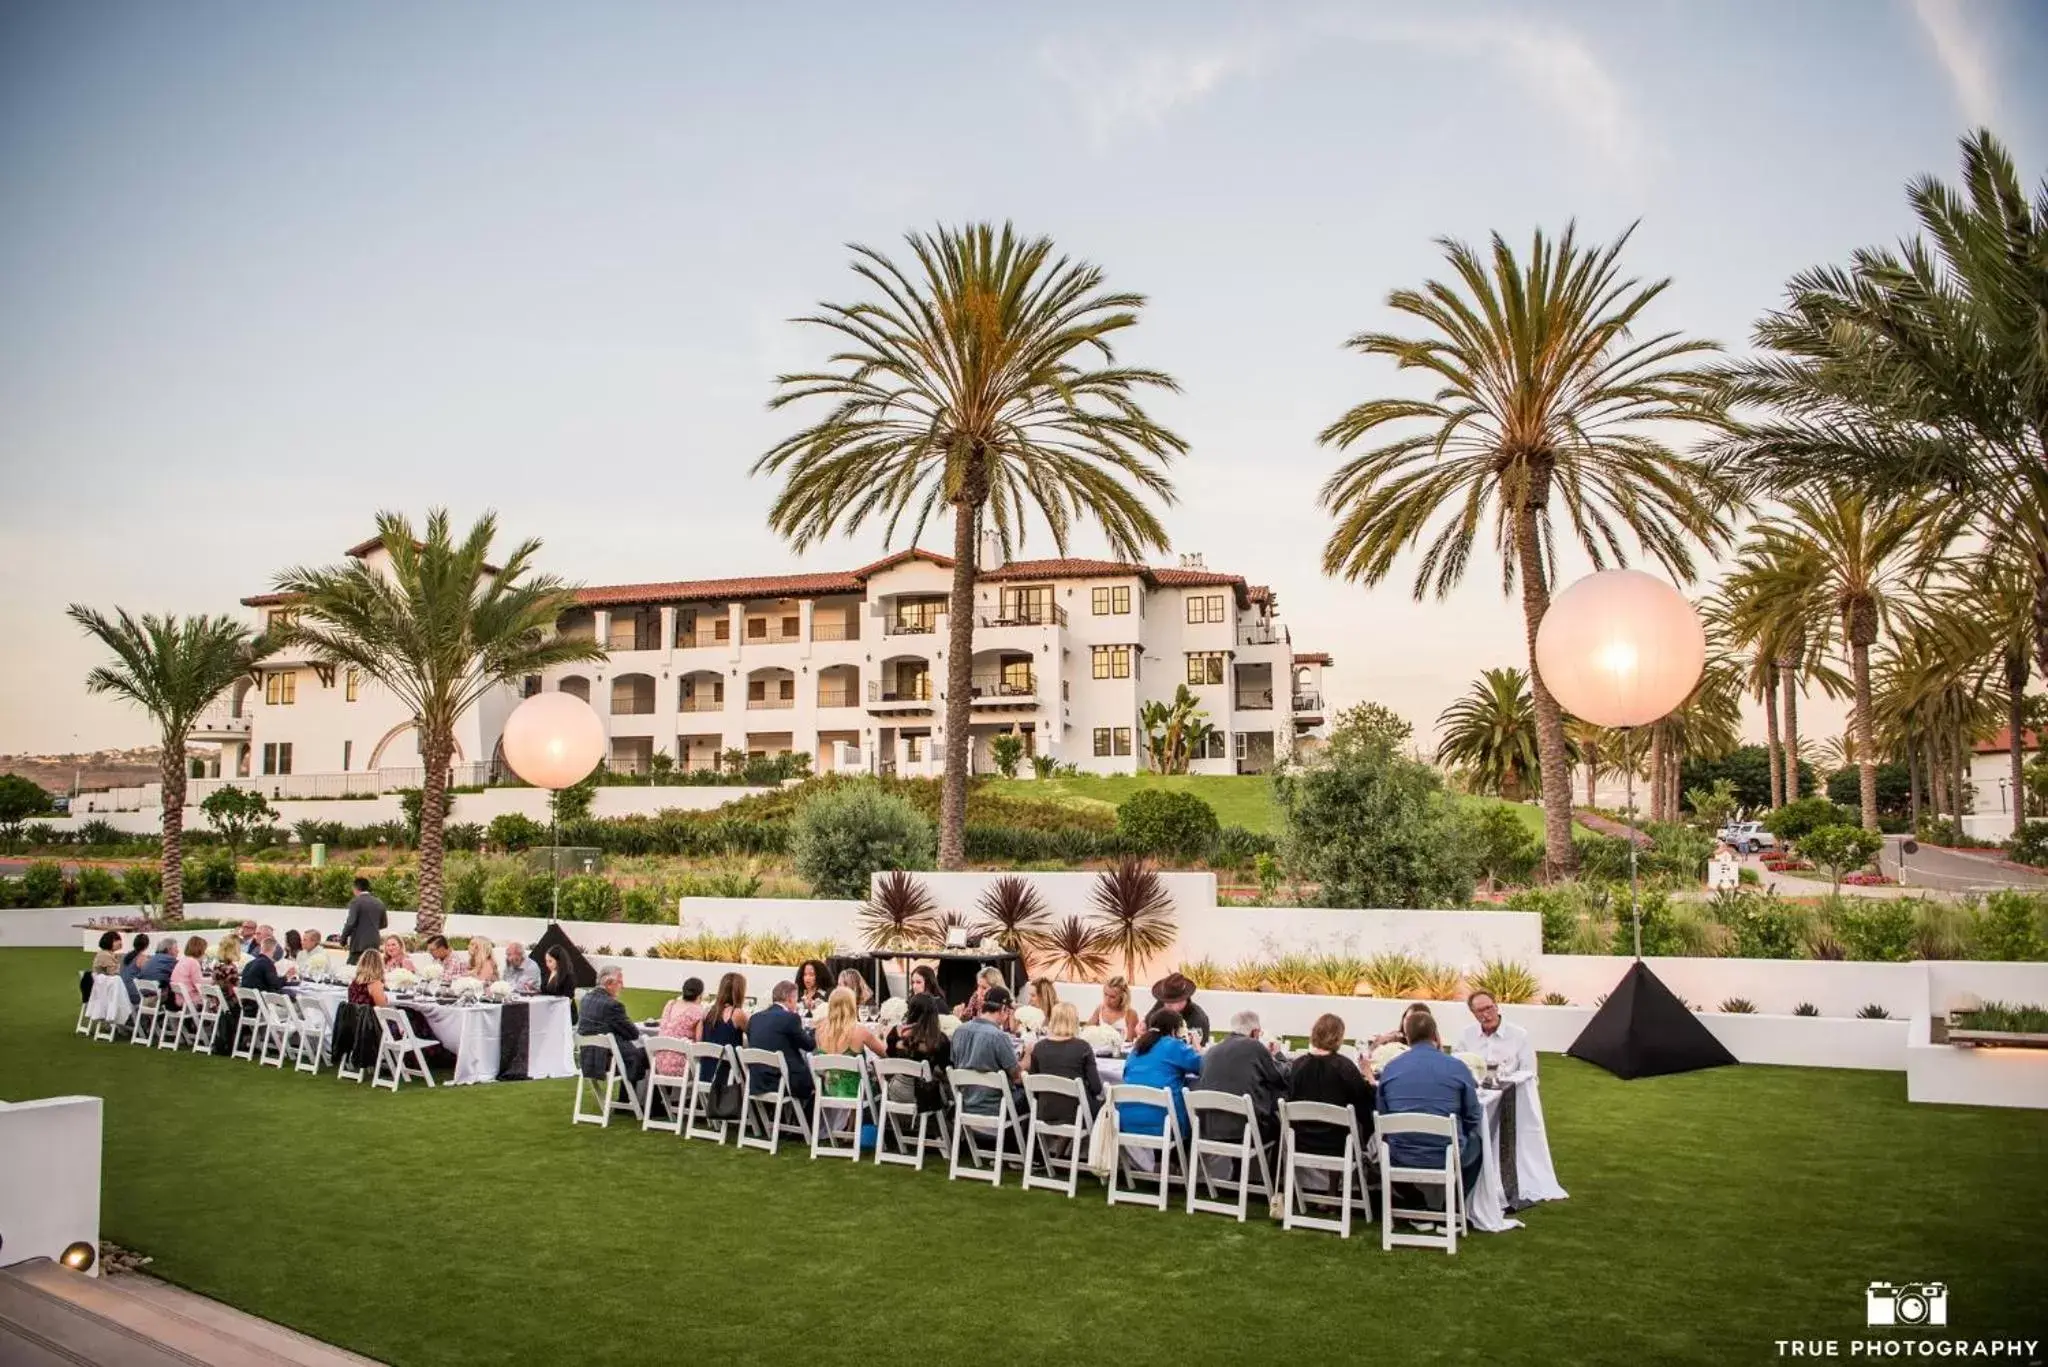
x: 893, y: 1011
x: 948, y: 1023
x: 315, y: 964
x: 1030, y: 1018
x: 1103, y: 1039
x: 430, y: 971
x: 1386, y: 1054
x: 1474, y: 1062
x: 499, y: 991
x: 401, y: 978
x: 467, y: 987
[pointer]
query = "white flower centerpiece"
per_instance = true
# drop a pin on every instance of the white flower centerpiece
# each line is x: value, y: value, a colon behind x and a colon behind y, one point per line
x: 401, y: 979
x: 1473, y: 1062
x: 1386, y: 1054
x: 1030, y: 1019
x: 1103, y: 1039
x: 948, y: 1023
x: 893, y: 1011
x: 467, y: 986
x: 499, y: 991
x: 430, y: 971
x: 316, y: 966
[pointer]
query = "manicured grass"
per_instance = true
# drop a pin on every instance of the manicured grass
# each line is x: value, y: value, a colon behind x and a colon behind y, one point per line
x: 1711, y: 1214
x: 1239, y: 799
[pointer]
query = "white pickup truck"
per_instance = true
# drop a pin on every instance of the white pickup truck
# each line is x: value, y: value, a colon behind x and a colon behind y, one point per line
x: 1748, y: 837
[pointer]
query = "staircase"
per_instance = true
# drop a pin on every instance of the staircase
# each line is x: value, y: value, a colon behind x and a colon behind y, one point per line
x: 51, y: 1316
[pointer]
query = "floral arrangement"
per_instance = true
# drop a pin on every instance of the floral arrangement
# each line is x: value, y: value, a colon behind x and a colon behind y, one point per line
x: 401, y: 979
x: 1103, y: 1039
x: 893, y: 1011
x: 1868, y: 880
x: 1386, y: 1054
x: 499, y: 991
x: 1030, y: 1018
x: 467, y: 987
x: 948, y: 1023
x: 316, y: 964
x: 430, y: 971
x: 1474, y: 1062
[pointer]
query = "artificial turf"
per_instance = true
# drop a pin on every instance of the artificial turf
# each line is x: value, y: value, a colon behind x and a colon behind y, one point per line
x: 1710, y: 1215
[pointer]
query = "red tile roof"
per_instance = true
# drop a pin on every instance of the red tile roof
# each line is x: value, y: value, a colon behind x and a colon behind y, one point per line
x: 2002, y: 742
x: 756, y: 586
x: 1166, y: 577
x: 268, y: 600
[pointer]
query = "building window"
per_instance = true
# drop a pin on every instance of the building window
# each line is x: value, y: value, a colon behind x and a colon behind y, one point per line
x: 1111, y: 662
x: 1122, y: 740
x: 1205, y: 608
x: 1111, y: 601
x: 280, y: 688
x: 1098, y: 601
x: 1102, y: 741
x: 757, y: 690
x: 721, y: 630
x: 913, y: 748
x: 757, y: 628
x: 1030, y: 603
x: 1216, y: 747
x: 788, y: 690
x: 348, y: 750
x: 352, y: 686
x: 792, y: 627
x: 277, y: 757
x: 1205, y: 666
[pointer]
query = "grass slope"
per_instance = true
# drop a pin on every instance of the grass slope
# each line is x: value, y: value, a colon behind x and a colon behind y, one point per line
x: 1711, y: 1214
x: 1239, y: 799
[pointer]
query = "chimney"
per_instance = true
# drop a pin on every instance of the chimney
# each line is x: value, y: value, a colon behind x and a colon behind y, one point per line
x: 990, y: 556
x: 1191, y: 560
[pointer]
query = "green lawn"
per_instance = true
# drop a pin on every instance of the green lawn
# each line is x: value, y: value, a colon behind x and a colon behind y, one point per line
x: 1239, y: 799
x: 1710, y: 1215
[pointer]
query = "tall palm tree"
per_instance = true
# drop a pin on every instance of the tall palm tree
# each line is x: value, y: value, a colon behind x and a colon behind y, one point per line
x: 1724, y: 620
x: 442, y: 629
x: 981, y: 382
x: 1707, y: 725
x: 1491, y: 731
x: 1860, y: 555
x: 1780, y: 614
x: 1593, y: 745
x: 172, y: 668
x: 1546, y: 403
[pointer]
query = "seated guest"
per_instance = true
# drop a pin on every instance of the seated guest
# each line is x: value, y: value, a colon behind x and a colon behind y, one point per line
x: 1159, y: 1058
x: 843, y: 1032
x: 604, y: 1014
x: 679, y: 1020
x: 725, y: 1020
x: 483, y: 959
x: 248, y: 937
x: 781, y: 1029
x: 522, y: 972
x: 1399, y: 1034
x: 852, y: 981
x: 1504, y: 1045
x: 105, y: 964
x: 1115, y: 1010
x: 986, y: 981
x: 188, y: 979
x: 1323, y: 1074
x: 294, y: 945
x: 131, y: 964
x: 924, y: 982
x: 1176, y: 993
x: 985, y: 1045
x: 227, y: 976
x: 1242, y: 1064
x: 453, y: 965
x: 561, y: 975
x: 395, y: 955
x: 813, y: 982
x: 1059, y: 1054
x: 260, y: 973
x: 922, y: 1039
x: 367, y: 987
x: 314, y: 941
x: 1039, y: 993
x: 160, y: 965
x: 1427, y: 1081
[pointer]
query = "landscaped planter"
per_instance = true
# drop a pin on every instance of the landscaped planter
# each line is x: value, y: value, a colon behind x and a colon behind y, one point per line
x: 1954, y: 1031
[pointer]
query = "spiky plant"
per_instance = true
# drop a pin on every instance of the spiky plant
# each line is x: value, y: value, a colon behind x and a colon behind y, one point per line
x: 1014, y: 916
x: 1739, y: 1006
x: 1136, y: 911
x: 1391, y: 974
x: 1873, y: 1012
x: 1556, y: 999
x: 1205, y: 973
x: 899, y: 914
x: 1505, y: 981
x: 1806, y: 1009
x: 1441, y: 983
x: 1075, y: 951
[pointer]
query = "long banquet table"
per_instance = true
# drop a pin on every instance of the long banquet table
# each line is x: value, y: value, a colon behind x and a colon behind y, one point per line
x: 475, y: 1033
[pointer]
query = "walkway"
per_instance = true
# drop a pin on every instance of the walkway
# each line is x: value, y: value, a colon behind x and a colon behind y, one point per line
x: 1934, y: 866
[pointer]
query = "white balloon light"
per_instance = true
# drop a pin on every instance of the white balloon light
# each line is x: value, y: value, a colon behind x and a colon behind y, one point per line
x: 553, y: 740
x: 1620, y: 648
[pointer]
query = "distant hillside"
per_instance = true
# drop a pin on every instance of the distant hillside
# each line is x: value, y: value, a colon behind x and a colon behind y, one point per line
x: 100, y: 769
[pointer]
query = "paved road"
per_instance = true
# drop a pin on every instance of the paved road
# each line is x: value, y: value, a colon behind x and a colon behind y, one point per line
x: 1958, y: 870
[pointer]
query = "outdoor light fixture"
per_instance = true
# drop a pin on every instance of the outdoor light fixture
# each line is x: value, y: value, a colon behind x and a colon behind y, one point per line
x: 553, y: 741
x: 80, y: 1256
x: 1621, y: 649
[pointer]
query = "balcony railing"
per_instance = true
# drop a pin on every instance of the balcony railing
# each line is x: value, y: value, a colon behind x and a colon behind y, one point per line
x: 837, y: 697
x: 993, y: 686
x: 688, y: 640
x: 218, y: 721
x: 769, y: 704
x: 634, y: 640
x: 1308, y: 702
x: 913, y: 626
x: 920, y: 691
x: 833, y: 631
x: 632, y: 707
x: 1027, y: 615
x: 774, y: 638
x: 702, y: 705
x: 1254, y: 700
x: 1260, y: 634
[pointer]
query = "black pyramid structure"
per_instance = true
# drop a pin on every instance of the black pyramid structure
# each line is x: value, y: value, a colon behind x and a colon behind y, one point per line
x: 579, y: 967
x: 1645, y: 1031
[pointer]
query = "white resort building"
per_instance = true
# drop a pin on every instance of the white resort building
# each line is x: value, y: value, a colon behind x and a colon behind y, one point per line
x: 847, y: 667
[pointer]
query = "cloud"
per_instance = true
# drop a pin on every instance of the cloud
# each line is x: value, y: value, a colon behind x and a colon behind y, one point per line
x: 1963, y: 54
x: 1119, y: 91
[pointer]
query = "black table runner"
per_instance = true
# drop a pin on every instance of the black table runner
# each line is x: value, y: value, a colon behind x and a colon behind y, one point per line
x: 513, y: 1035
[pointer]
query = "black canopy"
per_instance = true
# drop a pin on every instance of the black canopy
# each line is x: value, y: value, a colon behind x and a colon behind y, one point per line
x: 585, y: 975
x: 1645, y: 1031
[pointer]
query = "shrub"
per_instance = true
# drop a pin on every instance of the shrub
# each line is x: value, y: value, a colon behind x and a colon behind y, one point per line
x: 1748, y: 877
x: 515, y: 831
x: 840, y: 837
x: 99, y: 832
x: 1042, y: 766
x: 467, y: 884
x: 1793, y: 821
x: 1767, y: 928
x: 1661, y: 930
x: 1504, y: 981
x: 1602, y: 858
x: 211, y: 878
x: 1238, y: 848
x: 98, y: 887
x: 42, y: 884
x: 1881, y: 932
x: 2013, y: 1020
x: 587, y: 897
x: 1375, y: 829
x: 1556, y: 999
x: 1502, y: 846
x: 1679, y: 851
x: 463, y: 835
x: 1008, y: 752
x: 647, y: 906
x: 517, y: 894
x: 396, y: 887
x: 1160, y: 821
x: 1806, y: 1009
x: 2010, y: 929
x: 142, y: 885
x: 1873, y: 1012
x: 1840, y: 849
x: 1392, y: 974
x: 1739, y: 1006
x: 2029, y: 845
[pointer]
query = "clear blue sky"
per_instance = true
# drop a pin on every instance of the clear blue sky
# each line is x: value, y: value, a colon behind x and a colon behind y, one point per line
x: 265, y: 269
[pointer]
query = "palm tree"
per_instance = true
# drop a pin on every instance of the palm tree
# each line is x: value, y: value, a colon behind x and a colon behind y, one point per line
x: 1860, y: 556
x: 441, y: 630
x: 172, y: 668
x: 1174, y: 731
x: 983, y: 382
x: 1777, y: 614
x: 1546, y: 402
x: 1593, y: 744
x: 1707, y: 725
x: 1491, y: 731
x: 1759, y: 665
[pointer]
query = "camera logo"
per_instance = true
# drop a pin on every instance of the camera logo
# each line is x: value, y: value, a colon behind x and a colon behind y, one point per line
x: 1916, y: 1304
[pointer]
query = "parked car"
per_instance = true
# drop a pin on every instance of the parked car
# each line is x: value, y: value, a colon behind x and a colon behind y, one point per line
x: 1749, y: 837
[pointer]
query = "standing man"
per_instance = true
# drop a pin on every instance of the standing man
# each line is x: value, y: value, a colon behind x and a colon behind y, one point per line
x: 364, y: 923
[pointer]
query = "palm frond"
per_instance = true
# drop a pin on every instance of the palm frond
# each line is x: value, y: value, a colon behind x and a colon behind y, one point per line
x: 900, y: 914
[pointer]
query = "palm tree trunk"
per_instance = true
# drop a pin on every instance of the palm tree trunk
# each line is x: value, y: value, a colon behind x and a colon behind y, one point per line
x: 960, y: 666
x: 1789, y: 682
x: 1592, y: 770
x: 1771, y: 733
x: 1937, y: 773
x: 2041, y: 602
x: 1866, y: 745
x: 438, y: 746
x: 1560, y: 859
x: 1912, y: 785
x: 2017, y: 669
x: 171, y: 770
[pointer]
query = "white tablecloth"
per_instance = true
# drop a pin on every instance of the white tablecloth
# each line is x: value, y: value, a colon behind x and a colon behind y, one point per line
x: 471, y: 1033
x: 109, y: 1000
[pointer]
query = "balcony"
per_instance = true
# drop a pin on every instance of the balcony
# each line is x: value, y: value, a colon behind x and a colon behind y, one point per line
x: 833, y: 631
x: 1027, y: 615
x: 995, y: 688
x: 219, y: 723
x: 774, y: 638
x: 903, y: 696
x: 769, y: 704
x: 1255, y: 700
x: 838, y: 697
x: 1308, y: 702
x: 914, y: 626
x: 1261, y: 634
x: 701, y: 640
x: 702, y: 705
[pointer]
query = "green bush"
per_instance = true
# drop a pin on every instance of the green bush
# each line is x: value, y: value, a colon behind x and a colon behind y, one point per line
x: 211, y: 878
x: 2029, y: 845
x: 1558, y: 905
x: 1238, y: 848
x: 1877, y: 931
x: 42, y: 884
x: 98, y: 887
x: 142, y: 885
x: 1008, y: 753
x: 648, y: 906
x: 1506, y: 851
x: 1766, y: 928
x: 467, y: 882
x: 1160, y: 821
x: 463, y: 835
x: 1662, y: 932
x: 841, y: 836
x: 515, y: 831
x: 1375, y: 829
x: 396, y: 888
x: 1793, y: 821
x: 588, y: 897
x: 1602, y: 858
x: 517, y: 894
x: 1676, y: 851
x: 2010, y: 930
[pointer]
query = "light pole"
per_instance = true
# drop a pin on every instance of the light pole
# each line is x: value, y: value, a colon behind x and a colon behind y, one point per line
x: 553, y: 741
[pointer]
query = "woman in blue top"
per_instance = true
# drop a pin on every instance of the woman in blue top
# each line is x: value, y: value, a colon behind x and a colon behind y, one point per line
x: 1160, y: 1058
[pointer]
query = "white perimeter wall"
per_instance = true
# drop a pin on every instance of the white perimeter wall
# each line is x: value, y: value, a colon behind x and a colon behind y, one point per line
x: 476, y: 807
x: 50, y: 1179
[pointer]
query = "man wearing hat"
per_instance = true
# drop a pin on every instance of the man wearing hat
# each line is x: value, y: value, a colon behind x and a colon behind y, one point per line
x: 984, y: 1045
x: 1177, y: 993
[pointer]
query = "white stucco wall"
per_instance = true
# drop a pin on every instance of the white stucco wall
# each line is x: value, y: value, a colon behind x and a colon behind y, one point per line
x: 50, y: 1181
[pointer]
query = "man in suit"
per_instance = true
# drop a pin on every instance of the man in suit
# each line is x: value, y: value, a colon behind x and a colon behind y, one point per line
x: 1242, y: 1063
x: 260, y: 973
x: 602, y: 1013
x: 1428, y: 1081
x: 364, y: 923
x: 780, y: 1028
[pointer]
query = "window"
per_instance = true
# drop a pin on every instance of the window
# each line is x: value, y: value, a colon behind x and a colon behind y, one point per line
x: 352, y: 684
x: 788, y: 689
x: 280, y: 619
x: 1098, y: 602
x: 757, y: 690
x: 792, y: 627
x: 913, y: 748
x: 757, y: 628
x: 277, y: 757
x: 280, y: 688
x: 348, y: 749
x: 1111, y: 601
x: 1205, y: 666
x: 1110, y: 662
x: 721, y: 630
x: 1027, y: 603
x: 1123, y: 740
x: 1206, y: 608
x: 1102, y: 741
x: 1216, y: 747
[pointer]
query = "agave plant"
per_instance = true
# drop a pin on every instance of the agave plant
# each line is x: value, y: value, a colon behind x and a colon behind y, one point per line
x: 1338, y: 975
x: 1556, y: 999
x: 1441, y: 982
x: 1505, y: 981
x: 1246, y: 975
x: 1806, y: 1009
x: 1391, y: 974
x: 1014, y: 916
x: 1075, y: 950
x: 1739, y: 1006
x: 900, y: 914
x: 1205, y: 973
x: 1873, y: 1012
x: 1136, y: 912
x: 1295, y: 973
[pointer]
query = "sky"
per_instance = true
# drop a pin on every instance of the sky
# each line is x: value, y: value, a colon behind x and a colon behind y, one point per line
x: 265, y: 270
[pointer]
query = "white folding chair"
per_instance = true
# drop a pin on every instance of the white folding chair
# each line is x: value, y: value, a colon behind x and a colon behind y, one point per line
x: 213, y: 1008
x: 110, y: 1024
x: 400, y: 1053
x: 309, y: 1035
x: 607, y: 1090
x: 1164, y: 1149
x: 252, y: 1026
x: 1344, y: 1170
x: 1241, y: 1161
x: 717, y: 1059
x: 84, y: 1026
x: 834, y: 1116
x: 1000, y: 1127
x: 1449, y: 1176
x: 769, y: 1109
x: 173, y: 1020
x: 659, y: 1082
x: 345, y: 1066
x: 281, y: 1036
x: 1051, y: 1147
x: 148, y: 1010
x: 902, y: 1121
